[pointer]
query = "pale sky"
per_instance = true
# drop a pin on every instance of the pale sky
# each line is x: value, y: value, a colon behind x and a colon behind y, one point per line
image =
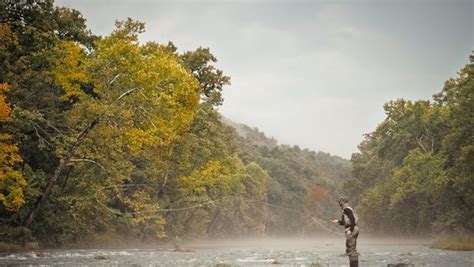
x: 310, y: 73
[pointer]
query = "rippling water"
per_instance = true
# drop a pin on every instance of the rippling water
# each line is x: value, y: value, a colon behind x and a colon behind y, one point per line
x: 281, y: 252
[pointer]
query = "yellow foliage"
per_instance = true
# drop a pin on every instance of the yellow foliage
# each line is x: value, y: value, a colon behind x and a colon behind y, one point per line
x: 69, y: 69
x: 144, y: 102
x: 201, y: 180
x: 7, y: 36
x: 145, y: 212
x: 144, y: 207
x: 215, y: 179
x: 5, y: 109
x: 12, y: 181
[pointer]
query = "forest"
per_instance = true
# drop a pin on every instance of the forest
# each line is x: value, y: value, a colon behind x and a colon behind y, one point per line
x: 104, y: 139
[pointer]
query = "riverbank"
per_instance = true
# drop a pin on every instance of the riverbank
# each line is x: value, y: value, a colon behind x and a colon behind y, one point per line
x: 6, y: 247
x: 465, y: 243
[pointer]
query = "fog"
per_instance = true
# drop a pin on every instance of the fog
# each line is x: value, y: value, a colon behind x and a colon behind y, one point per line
x: 288, y: 243
x: 323, y: 251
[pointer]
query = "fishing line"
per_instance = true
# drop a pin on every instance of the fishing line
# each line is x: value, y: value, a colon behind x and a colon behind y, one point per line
x: 315, y: 218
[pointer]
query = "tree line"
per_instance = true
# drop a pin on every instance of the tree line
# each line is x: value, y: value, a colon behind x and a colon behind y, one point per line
x: 414, y: 173
x: 103, y: 138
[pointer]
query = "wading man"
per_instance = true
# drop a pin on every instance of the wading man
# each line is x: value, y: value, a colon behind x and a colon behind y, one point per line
x: 349, y: 221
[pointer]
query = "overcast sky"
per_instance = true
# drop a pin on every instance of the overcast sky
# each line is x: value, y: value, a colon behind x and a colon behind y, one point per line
x: 310, y: 73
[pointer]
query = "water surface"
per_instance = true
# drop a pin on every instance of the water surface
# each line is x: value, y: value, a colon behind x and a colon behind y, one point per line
x: 265, y: 252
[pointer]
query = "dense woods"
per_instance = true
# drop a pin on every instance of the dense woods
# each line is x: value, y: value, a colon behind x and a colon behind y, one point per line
x: 414, y: 172
x: 104, y: 138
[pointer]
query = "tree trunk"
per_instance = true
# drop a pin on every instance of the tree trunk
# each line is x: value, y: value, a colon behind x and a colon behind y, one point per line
x: 213, y: 221
x: 58, y: 171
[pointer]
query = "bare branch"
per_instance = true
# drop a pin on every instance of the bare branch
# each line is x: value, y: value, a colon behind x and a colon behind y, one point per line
x: 115, y: 78
x: 144, y: 96
x: 53, y: 127
x: 419, y: 140
x: 128, y: 92
x: 41, y: 138
x: 58, y: 171
x: 149, y: 120
x: 164, y: 183
x: 88, y: 160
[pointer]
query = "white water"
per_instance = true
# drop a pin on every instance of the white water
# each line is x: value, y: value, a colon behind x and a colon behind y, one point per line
x: 261, y: 252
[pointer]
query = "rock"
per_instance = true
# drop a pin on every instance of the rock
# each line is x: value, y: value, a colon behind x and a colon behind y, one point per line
x: 32, y: 245
x: 406, y: 254
x: 400, y: 265
x: 30, y: 255
x: 41, y: 254
x: 101, y: 257
x: 179, y: 249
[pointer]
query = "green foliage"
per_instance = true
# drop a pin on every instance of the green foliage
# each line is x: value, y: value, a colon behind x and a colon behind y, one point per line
x: 30, y: 32
x: 414, y: 173
x: 12, y: 181
x: 144, y: 101
x: 10, y: 247
x: 212, y: 80
x: 16, y: 234
x: 301, y: 182
x: 108, y: 137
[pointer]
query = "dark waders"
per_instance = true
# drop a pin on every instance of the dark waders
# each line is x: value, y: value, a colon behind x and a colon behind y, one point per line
x: 351, y: 250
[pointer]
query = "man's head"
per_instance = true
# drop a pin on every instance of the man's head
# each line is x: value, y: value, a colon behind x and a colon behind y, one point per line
x: 342, y: 200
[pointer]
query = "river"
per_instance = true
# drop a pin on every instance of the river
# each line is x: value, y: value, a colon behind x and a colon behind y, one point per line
x: 259, y: 252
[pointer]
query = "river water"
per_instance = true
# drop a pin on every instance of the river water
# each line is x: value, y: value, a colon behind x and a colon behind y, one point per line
x: 260, y: 252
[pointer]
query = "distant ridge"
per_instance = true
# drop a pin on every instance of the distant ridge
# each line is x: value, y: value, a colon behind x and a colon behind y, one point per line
x: 330, y: 166
x: 252, y: 135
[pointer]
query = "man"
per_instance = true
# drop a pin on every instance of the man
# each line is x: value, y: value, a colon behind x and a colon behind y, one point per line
x: 349, y: 221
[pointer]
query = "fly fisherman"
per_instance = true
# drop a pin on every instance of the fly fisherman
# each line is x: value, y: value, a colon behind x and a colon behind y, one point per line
x: 349, y: 221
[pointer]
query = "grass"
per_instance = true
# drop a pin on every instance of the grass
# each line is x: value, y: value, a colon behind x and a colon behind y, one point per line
x: 465, y: 243
x: 10, y: 247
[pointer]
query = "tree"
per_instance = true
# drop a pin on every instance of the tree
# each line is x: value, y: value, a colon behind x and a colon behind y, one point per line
x: 30, y: 32
x: 417, y: 164
x: 140, y: 103
x: 12, y: 181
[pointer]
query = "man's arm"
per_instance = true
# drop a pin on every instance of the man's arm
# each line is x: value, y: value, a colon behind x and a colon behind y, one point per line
x: 351, y: 217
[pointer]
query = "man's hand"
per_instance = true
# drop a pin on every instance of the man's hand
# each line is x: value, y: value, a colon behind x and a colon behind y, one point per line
x: 348, y: 233
x: 335, y: 221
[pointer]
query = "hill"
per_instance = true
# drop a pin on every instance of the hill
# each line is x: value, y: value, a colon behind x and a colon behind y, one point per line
x: 304, y: 181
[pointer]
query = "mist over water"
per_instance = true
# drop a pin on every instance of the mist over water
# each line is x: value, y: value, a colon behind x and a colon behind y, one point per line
x: 327, y: 251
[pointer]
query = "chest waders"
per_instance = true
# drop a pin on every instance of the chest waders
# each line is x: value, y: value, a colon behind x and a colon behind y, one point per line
x: 351, y: 240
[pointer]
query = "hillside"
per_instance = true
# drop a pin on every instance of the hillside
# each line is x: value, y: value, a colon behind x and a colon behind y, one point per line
x: 300, y: 179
